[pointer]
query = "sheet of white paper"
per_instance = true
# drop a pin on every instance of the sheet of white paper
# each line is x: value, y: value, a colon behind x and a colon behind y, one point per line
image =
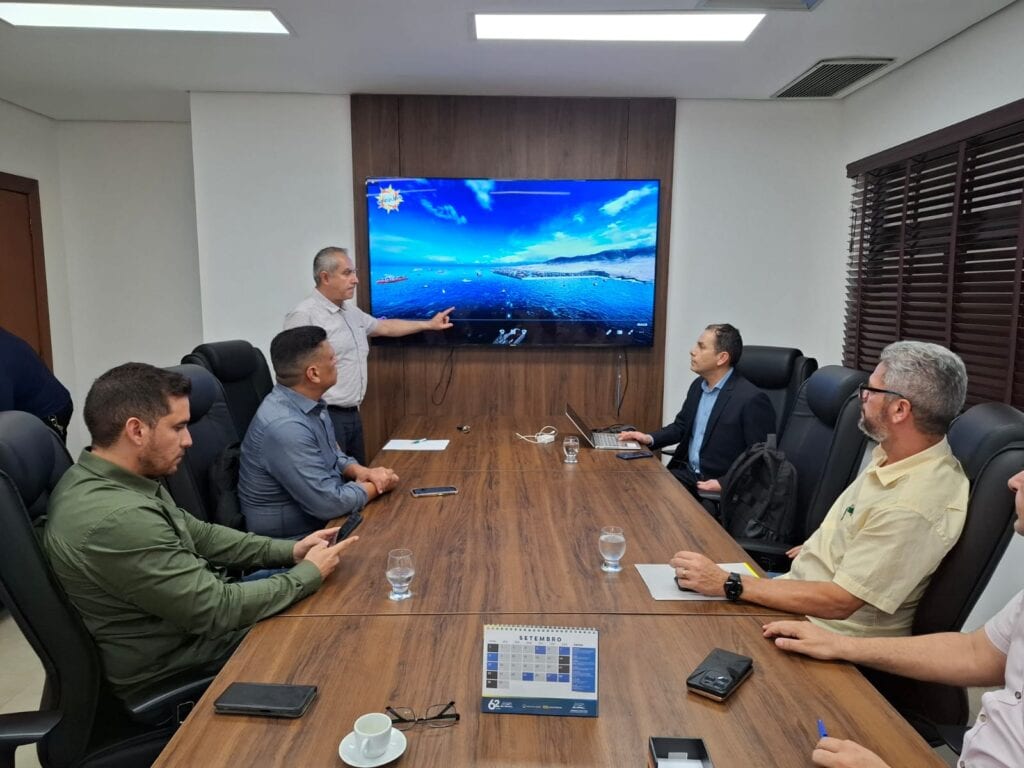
x: 416, y: 445
x: 660, y: 579
x: 679, y: 762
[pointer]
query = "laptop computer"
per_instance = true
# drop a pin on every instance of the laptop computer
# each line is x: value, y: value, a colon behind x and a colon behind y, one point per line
x: 601, y: 440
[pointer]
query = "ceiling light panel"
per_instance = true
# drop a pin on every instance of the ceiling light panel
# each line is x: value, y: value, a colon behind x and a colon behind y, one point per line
x: 626, y: 27
x: 128, y: 17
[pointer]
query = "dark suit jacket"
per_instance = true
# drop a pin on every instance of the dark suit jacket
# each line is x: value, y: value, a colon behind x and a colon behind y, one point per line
x: 743, y: 415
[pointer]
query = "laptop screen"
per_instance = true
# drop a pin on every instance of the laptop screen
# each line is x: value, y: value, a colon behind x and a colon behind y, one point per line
x: 578, y: 422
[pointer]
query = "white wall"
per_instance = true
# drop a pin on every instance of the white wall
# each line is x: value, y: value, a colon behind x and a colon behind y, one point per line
x: 129, y: 222
x: 273, y: 185
x: 974, y: 72
x: 28, y: 147
x: 758, y: 230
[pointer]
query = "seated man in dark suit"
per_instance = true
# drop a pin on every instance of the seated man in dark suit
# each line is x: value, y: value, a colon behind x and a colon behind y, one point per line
x: 722, y: 416
x: 26, y: 384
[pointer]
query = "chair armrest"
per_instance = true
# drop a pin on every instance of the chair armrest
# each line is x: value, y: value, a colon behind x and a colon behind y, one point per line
x: 169, y: 700
x: 20, y: 728
x: 953, y: 735
x: 770, y: 555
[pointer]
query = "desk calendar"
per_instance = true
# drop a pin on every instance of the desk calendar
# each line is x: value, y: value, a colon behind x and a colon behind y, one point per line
x: 531, y: 670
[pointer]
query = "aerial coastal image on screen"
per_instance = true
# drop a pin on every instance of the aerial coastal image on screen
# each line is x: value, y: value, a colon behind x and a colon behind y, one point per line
x: 573, y: 255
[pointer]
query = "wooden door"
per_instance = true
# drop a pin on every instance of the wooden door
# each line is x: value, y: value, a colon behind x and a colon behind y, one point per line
x: 23, y: 307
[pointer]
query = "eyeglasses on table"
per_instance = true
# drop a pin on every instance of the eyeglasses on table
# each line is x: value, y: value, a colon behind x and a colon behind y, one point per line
x: 436, y: 716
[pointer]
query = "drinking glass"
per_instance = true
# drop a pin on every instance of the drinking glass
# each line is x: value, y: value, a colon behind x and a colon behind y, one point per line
x: 400, y: 572
x: 571, y: 448
x: 612, y: 545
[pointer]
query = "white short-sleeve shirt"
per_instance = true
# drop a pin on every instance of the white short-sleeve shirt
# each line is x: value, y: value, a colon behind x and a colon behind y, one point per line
x: 997, y: 738
x: 347, y: 330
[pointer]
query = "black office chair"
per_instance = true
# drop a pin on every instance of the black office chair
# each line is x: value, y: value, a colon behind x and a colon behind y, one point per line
x: 242, y: 371
x: 779, y: 372
x: 213, y: 433
x: 825, y: 445
x: 988, y: 439
x: 79, y: 722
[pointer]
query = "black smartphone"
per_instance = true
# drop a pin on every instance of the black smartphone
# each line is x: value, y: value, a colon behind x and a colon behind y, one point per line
x: 351, y: 523
x: 265, y: 699
x: 627, y: 455
x: 720, y: 674
x: 437, y: 490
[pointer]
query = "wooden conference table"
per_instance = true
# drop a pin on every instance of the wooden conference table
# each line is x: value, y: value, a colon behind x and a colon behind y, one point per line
x: 518, y: 545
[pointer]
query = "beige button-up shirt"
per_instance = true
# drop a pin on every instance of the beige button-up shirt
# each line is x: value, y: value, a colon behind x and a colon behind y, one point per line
x: 884, y: 537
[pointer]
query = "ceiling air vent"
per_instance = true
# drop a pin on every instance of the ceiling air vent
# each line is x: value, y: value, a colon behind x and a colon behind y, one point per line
x: 757, y: 5
x: 830, y: 77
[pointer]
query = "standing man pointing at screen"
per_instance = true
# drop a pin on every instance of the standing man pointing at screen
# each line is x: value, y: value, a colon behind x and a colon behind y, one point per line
x: 348, y: 329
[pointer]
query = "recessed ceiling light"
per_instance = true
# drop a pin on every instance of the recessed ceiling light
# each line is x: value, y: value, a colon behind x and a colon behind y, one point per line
x: 135, y: 17
x: 630, y: 27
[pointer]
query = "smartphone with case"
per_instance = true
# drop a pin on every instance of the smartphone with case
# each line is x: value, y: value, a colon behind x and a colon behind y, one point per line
x: 265, y: 699
x: 437, y: 490
x: 627, y: 455
x: 720, y: 674
x: 351, y: 523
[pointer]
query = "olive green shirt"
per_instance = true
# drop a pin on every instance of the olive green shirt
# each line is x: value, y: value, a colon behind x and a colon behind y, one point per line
x: 146, y: 576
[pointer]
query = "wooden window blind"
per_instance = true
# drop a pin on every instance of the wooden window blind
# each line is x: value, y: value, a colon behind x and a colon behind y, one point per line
x: 936, y: 247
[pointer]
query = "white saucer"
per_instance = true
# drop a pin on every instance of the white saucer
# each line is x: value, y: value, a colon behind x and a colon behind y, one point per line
x: 348, y: 751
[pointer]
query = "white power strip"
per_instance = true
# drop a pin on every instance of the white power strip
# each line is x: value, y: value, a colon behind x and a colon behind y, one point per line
x: 545, y: 435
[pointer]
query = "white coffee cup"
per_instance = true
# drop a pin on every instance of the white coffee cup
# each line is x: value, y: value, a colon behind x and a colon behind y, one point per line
x: 373, y: 734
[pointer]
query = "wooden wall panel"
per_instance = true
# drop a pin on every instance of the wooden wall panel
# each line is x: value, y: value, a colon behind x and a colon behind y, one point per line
x: 512, y: 137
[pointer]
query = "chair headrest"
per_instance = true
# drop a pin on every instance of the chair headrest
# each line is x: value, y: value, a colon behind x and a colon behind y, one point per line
x: 32, y: 456
x: 982, y: 430
x: 768, y: 367
x: 205, y: 389
x: 828, y: 389
x: 230, y: 360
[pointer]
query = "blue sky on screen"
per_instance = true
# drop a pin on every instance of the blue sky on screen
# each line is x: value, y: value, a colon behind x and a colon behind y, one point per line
x: 506, y: 222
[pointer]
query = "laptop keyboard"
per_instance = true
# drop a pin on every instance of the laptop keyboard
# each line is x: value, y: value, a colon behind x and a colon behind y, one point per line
x: 608, y: 440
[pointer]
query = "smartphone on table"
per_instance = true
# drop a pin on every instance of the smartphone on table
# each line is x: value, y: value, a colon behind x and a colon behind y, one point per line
x: 627, y: 455
x: 437, y: 490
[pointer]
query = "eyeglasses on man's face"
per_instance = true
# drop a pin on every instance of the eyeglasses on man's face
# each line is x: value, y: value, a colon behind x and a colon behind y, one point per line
x: 864, y: 390
x: 436, y: 716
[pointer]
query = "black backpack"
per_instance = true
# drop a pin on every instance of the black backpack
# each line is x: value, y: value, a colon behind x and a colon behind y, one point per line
x: 759, y: 494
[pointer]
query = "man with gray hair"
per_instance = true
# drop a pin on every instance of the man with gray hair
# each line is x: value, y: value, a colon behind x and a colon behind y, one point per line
x: 348, y: 327
x: 864, y: 570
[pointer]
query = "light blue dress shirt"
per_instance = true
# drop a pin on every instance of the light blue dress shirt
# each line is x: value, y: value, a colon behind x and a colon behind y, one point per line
x: 708, y: 398
x: 289, y: 480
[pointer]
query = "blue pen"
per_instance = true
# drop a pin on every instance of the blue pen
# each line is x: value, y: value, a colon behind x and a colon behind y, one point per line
x: 821, y: 728
x: 419, y: 440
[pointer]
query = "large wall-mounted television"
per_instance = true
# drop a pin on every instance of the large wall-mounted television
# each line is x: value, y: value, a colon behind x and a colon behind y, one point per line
x: 525, y: 262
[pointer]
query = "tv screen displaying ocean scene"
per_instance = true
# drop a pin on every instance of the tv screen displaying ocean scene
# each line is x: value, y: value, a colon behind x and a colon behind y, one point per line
x: 525, y: 262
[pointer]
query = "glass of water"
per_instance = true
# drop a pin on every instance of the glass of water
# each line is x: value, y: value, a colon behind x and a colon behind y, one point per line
x: 400, y: 572
x: 571, y: 449
x: 613, y: 546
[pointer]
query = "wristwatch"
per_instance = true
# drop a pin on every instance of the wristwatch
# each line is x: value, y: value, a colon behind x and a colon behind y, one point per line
x: 733, y: 587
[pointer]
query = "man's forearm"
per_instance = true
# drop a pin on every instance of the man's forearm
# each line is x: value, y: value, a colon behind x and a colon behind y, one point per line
x: 821, y: 599
x: 952, y: 658
x: 395, y: 327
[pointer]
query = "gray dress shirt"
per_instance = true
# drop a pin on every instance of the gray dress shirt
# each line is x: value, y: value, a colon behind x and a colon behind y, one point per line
x: 347, y: 330
x: 290, y: 481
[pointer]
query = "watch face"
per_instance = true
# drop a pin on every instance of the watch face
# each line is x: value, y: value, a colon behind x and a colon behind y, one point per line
x: 733, y: 587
